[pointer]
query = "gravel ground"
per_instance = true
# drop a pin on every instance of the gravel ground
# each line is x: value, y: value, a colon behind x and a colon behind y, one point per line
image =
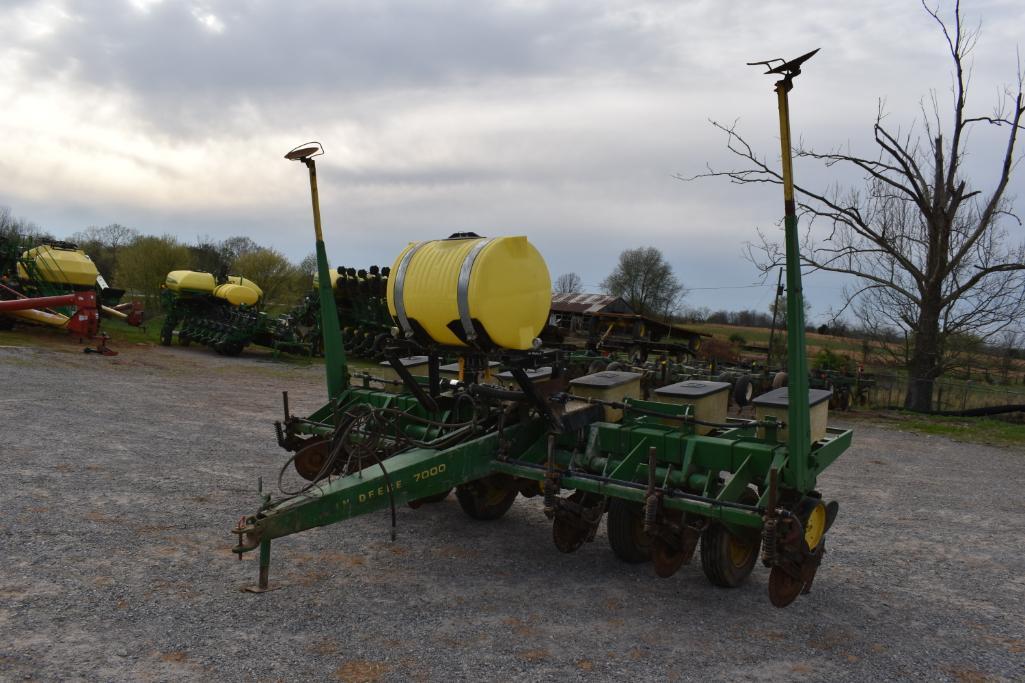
x: 123, y: 476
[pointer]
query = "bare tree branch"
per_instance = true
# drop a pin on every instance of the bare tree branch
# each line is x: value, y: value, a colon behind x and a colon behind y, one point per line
x: 931, y: 252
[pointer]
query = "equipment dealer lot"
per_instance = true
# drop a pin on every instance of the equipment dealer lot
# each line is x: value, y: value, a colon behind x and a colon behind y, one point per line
x: 117, y: 496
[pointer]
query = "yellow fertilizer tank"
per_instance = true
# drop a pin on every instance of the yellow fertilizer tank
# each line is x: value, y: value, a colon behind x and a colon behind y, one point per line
x: 236, y: 295
x: 190, y: 281
x: 245, y: 282
x: 60, y: 265
x: 471, y: 288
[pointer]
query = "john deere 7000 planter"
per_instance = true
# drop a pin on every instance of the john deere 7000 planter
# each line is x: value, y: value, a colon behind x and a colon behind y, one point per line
x: 670, y: 476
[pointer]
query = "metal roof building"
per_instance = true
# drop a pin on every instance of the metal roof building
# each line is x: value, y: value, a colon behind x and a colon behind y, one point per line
x: 589, y: 304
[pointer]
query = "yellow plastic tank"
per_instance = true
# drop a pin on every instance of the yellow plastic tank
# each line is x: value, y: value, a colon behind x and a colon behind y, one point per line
x: 332, y: 273
x: 61, y: 266
x: 190, y: 280
x: 236, y: 295
x: 245, y: 282
x: 457, y: 288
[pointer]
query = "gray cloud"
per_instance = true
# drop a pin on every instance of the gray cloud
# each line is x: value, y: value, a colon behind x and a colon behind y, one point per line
x: 270, y: 51
x: 561, y: 120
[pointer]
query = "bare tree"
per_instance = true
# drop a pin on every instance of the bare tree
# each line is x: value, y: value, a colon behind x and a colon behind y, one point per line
x: 103, y: 244
x: 645, y: 280
x: 932, y: 254
x: 308, y: 266
x: 567, y: 283
x: 234, y: 248
x: 19, y: 229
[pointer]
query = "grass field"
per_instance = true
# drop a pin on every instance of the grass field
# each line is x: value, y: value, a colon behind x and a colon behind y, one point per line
x: 981, y: 387
x: 986, y: 430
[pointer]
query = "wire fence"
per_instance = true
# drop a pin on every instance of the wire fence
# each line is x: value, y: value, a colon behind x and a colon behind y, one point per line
x: 947, y: 394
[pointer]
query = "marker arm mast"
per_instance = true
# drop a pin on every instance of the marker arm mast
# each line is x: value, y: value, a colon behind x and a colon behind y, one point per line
x: 335, y: 368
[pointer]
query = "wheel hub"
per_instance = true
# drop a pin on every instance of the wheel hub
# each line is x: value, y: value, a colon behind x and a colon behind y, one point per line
x: 310, y: 459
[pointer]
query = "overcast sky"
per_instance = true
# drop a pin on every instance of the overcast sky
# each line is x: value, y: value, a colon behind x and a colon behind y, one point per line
x: 564, y: 121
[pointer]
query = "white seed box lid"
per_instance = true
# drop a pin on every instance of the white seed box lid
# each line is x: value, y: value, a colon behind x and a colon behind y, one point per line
x: 778, y: 398
x: 606, y: 379
x: 694, y: 388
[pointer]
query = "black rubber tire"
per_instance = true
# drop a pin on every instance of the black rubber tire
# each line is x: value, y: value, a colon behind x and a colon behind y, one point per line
x: 717, y: 561
x: 624, y: 518
x: 184, y: 339
x: 716, y: 557
x: 165, y: 336
x: 480, y: 500
x: 743, y: 391
x: 429, y: 500
x: 230, y: 348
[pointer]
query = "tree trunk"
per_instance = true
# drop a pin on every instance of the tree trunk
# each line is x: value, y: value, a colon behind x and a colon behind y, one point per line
x: 924, y: 364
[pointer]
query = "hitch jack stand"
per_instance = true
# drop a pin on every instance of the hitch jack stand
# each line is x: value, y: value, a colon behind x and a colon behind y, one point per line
x: 262, y: 585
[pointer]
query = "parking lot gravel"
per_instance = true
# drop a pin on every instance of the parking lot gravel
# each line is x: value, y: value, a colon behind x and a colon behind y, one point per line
x: 122, y: 477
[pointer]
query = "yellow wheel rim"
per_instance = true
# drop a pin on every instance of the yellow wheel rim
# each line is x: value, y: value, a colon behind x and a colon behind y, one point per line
x: 740, y: 552
x: 815, y: 526
x: 494, y: 496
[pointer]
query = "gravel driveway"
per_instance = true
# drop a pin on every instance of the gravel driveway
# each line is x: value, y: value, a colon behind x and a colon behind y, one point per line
x: 122, y: 477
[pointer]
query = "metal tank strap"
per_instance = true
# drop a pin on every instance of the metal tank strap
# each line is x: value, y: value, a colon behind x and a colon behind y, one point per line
x: 400, y: 281
x: 463, y: 290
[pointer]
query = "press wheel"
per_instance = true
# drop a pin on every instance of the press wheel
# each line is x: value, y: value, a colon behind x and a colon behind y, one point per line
x: 626, y: 531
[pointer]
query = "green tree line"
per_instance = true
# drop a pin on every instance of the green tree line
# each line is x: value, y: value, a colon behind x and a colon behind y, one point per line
x: 139, y: 263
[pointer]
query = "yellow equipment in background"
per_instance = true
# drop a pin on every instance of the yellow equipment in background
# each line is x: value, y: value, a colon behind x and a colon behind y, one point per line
x: 332, y: 274
x: 190, y: 281
x: 59, y: 265
x: 236, y: 290
x: 245, y: 282
x: 237, y: 295
x: 462, y: 289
